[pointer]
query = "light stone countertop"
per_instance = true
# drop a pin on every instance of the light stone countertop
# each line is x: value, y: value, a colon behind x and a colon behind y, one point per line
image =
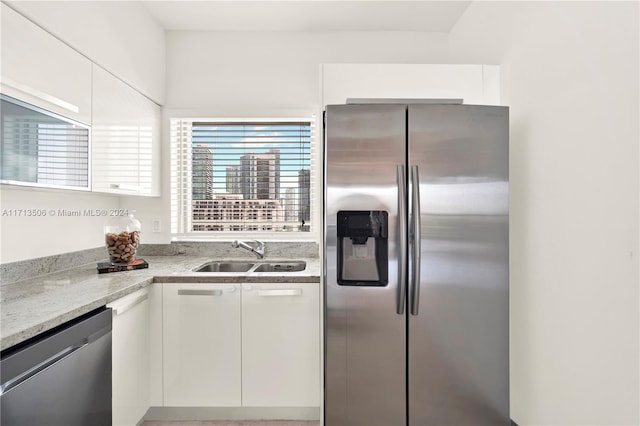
x: 32, y: 306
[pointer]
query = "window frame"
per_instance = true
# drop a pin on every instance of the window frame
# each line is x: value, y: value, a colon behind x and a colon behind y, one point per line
x: 176, y: 125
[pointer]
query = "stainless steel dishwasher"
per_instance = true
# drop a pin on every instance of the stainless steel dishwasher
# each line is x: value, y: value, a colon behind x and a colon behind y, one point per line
x: 62, y: 377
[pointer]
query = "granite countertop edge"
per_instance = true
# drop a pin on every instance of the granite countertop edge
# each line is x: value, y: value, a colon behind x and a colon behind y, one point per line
x: 36, y: 305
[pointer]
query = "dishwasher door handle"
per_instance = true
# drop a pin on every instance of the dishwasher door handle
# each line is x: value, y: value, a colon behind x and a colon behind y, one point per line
x: 119, y: 310
x: 21, y: 378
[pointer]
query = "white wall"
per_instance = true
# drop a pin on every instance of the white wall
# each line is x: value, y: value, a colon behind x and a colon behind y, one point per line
x: 119, y: 36
x: 244, y: 74
x: 122, y: 38
x: 570, y: 74
x: 26, y: 237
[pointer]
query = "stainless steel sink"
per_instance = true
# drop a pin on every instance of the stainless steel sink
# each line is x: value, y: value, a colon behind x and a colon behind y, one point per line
x: 275, y: 267
x: 225, y: 267
x: 280, y: 267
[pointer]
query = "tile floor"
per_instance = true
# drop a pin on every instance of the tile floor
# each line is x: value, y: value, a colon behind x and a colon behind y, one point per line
x: 234, y: 423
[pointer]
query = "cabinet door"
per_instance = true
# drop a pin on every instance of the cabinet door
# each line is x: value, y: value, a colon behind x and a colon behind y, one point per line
x: 149, y: 148
x: 280, y: 345
x: 114, y: 135
x: 201, y: 345
x: 130, y: 354
x: 39, y: 69
x: 125, y: 138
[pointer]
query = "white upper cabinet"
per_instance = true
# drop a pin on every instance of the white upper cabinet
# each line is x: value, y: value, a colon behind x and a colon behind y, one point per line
x: 474, y: 84
x: 149, y: 163
x: 41, y: 70
x: 125, y: 138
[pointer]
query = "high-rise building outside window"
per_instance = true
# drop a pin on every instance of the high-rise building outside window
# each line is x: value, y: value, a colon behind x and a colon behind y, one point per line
x: 202, y: 172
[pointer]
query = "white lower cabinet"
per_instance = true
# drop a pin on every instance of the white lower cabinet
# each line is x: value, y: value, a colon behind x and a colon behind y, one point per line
x: 259, y: 347
x: 130, y: 354
x: 201, y: 345
x: 280, y: 345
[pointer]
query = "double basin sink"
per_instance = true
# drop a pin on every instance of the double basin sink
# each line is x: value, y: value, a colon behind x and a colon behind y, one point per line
x: 250, y: 267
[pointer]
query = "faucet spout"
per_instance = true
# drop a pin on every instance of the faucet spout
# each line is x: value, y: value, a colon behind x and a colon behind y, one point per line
x: 258, y: 250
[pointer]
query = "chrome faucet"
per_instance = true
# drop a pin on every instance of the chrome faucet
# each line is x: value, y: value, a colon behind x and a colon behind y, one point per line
x: 258, y: 250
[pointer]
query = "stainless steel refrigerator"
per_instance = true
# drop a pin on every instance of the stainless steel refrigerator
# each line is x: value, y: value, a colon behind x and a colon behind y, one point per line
x: 416, y: 265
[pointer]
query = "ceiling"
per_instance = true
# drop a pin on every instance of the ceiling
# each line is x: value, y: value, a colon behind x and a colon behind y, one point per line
x: 308, y: 15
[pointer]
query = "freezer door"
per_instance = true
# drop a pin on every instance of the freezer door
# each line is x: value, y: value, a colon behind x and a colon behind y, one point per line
x: 365, y: 341
x: 459, y: 315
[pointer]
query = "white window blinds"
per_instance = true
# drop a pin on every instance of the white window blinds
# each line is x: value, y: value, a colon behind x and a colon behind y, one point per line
x: 249, y: 176
x: 42, y: 149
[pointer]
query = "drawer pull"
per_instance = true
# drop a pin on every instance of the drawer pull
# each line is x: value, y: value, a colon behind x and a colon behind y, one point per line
x: 193, y: 292
x: 125, y: 187
x: 280, y: 292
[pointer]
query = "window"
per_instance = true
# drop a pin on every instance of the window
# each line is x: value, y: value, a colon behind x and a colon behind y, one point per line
x: 242, y: 176
x: 40, y: 148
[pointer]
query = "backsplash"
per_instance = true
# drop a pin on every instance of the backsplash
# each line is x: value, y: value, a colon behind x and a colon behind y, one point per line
x: 26, y: 269
x: 223, y: 249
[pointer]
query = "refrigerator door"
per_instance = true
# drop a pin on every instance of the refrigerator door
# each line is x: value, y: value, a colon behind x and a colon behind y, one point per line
x: 365, y: 336
x: 458, y: 319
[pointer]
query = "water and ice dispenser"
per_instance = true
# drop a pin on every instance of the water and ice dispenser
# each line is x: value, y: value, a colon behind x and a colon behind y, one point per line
x: 363, y: 257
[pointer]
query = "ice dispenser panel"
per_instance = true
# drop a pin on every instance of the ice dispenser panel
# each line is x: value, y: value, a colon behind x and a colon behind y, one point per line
x: 363, y: 256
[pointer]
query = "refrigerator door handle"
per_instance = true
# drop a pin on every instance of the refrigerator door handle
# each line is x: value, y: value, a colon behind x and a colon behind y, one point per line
x: 415, y: 223
x: 402, y: 243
